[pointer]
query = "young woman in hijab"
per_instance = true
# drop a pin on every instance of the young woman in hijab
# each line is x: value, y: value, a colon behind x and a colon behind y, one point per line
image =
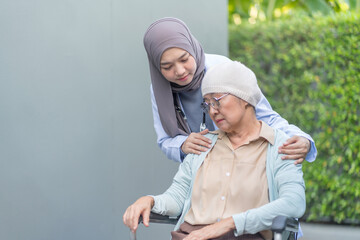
x: 177, y: 67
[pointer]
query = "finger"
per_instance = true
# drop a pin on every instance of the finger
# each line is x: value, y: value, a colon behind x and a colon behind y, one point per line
x: 134, y: 225
x: 202, y: 142
x: 188, y: 150
x: 293, y: 151
x: 191, y: 150
x: 297, y: 147
x: 200, y: 137
x: 197, y: 148
x: 195, y: 235
x: 126, y: 218
x: 205, y: 131
x: 146, y: 217
x: 299, y: 161
x: 133, y: 219
x: 196, y: 145
x: 293, y: 145
x: 297, y: 144
x: 128, y: 221
x: 189, y: 237
x: 292, y: 157
x: 290, y: 140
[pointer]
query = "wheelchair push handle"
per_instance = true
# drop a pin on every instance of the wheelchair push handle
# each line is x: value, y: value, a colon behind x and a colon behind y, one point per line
x: 282, y: 223
x: 156, y: 218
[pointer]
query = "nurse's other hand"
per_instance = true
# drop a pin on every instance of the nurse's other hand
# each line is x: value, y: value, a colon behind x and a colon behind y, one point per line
x: 295, y: 148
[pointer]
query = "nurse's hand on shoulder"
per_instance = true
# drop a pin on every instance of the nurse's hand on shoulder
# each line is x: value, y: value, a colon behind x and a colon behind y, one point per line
x: 295, y: 148
x: 196, y: 143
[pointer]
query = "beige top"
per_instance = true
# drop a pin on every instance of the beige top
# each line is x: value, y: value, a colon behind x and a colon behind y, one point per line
x: 231, y: 181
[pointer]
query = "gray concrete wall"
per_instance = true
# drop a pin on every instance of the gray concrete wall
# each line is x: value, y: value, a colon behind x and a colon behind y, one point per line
x: 77, y: 144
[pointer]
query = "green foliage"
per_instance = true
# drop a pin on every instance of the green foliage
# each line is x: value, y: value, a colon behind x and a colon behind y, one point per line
x: 309, y: 69
x: 254, y: 10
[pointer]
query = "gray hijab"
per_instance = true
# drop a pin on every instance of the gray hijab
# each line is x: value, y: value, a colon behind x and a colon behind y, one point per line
x: 163, y: 34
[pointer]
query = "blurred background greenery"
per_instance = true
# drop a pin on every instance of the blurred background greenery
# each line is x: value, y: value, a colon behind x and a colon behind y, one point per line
x: 306, y: 55
x: 253, y: 11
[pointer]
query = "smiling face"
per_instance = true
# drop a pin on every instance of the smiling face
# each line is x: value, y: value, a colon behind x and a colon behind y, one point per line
x: 177, y: 66
x: 230, y: 114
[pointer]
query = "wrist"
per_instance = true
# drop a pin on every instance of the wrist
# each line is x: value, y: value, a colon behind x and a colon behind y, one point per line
x: 229, y: 223
x: 150, y: 199
x: 182, y: 150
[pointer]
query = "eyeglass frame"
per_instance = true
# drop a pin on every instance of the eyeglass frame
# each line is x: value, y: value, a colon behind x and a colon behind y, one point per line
x: 215, y: 105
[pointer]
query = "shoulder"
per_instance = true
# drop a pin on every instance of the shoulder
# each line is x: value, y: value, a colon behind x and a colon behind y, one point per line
x: 192, y: 162
x: 214, y: 59
x: 280, y: 137
x: 212, y: 135
x: 273, y: 154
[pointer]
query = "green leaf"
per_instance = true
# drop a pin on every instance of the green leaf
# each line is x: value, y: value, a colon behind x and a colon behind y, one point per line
x: 316, y: 6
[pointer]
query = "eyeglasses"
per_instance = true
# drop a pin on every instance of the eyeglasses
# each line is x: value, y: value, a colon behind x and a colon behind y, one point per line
x: 213, y: 102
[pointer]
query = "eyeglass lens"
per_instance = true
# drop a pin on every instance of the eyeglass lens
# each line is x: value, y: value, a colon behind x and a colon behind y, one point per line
x: 214, y: 103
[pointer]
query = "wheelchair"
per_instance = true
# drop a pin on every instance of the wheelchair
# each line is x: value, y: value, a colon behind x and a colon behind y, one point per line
x: 279, y: 225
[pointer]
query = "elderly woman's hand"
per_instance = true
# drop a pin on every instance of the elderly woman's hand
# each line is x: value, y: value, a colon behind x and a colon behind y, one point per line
x: 141, y: 207
x: 295, y: 148
x: 212, y: 231
x: 196, y: 143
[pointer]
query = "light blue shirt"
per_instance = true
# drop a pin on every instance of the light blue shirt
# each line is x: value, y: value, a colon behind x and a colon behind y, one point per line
x: 285, y: 182
x: 172, y: 146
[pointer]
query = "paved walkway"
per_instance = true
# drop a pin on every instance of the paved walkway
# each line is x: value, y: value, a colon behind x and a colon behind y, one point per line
x: 316, y: 231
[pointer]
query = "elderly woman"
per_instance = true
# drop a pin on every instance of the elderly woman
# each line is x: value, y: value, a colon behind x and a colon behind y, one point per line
x: 236, y: 188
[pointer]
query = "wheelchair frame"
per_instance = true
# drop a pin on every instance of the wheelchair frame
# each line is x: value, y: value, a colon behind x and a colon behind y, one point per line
x: 279, y: 225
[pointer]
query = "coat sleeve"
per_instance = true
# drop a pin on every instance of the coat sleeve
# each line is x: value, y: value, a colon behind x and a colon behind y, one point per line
x: 171, y: 202
x: 289, y: 186
x: 168, y: 145
x: 265, y: 113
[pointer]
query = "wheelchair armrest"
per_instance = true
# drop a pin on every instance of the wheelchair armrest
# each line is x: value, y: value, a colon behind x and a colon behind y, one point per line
x: 157, y: 218
x: 281, y: 223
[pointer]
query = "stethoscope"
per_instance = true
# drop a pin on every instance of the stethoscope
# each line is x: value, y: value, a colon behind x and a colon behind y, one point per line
x: 202, y: 124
